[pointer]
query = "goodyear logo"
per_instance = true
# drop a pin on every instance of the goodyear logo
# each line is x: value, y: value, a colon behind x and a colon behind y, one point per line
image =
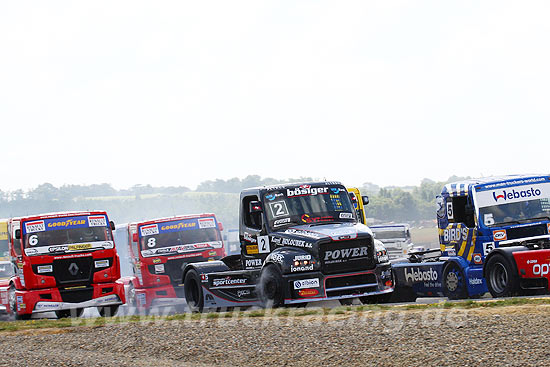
x: 80, y: 246
x: 67, y: 223
x: 180, y: 225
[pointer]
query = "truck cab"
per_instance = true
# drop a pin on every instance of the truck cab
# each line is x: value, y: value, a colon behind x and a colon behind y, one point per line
x: 299, y: 243
x: 64, y: 262
x: 494, y: 235
x: 158, y: 251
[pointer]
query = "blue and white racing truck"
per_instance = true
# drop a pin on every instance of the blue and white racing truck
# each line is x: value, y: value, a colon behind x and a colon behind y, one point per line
x: 494, y: 235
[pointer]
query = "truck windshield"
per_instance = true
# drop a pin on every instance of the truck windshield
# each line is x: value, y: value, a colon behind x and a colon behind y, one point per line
x: 50, y: 235
x: 308, y: 204
x: 382, y: 234
x: 514, y: 205
x: 179, y: 232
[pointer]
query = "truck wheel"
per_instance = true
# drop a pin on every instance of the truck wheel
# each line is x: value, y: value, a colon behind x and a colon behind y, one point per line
x: 271, y: 287
x: 76, y: 312
x: 454, y: 282
x: 501, y: 280
x: 107, y: 311
x: 13, y: 306
x: 193, y: 291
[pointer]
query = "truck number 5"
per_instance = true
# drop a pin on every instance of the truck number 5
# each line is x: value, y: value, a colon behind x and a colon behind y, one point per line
x: 263, y: 244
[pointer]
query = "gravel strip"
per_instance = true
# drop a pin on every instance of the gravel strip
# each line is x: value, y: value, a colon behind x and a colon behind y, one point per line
x: 512, y: 336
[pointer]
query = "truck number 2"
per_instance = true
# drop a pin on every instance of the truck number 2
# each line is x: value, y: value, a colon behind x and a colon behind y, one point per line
x: 263, y: 245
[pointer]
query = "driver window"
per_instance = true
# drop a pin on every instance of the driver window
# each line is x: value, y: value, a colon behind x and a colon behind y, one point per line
x: 251, y: 220
x: 463, y: 211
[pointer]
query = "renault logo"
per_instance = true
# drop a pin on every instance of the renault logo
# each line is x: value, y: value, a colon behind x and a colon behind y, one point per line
x: 73, y: 269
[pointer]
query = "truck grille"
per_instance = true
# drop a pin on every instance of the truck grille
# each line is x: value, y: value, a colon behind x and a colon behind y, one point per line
x: 174, y: 268
x: 73, y: 271
x: 347, y: 256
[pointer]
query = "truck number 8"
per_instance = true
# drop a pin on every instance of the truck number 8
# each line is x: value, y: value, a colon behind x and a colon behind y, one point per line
x: 151, y: 242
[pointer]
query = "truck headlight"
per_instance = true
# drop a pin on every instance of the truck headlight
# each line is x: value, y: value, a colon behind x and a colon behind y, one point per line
x: 381, y: 253
x: 44, y: 269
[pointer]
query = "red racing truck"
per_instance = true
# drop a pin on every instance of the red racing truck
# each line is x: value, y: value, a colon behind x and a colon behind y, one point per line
x: 64, y: 262
x: 159, y: 249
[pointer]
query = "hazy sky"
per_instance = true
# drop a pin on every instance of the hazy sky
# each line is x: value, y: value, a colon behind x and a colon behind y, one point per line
x: 175, y: 93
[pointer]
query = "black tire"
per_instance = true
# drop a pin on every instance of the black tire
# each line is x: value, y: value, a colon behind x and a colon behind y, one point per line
x: 13, y: 306
x: 454, y: 282
x: 500, y: 277
x: 193, y: 291
x: 271, y: 287
x: 108, y: 311
x: 75, y: 312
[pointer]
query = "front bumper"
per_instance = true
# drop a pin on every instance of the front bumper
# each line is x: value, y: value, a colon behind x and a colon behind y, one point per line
x: 56, y: 299
x: 315, y: 286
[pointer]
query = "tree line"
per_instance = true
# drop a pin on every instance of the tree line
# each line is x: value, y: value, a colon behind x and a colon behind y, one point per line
x: 414, y: 203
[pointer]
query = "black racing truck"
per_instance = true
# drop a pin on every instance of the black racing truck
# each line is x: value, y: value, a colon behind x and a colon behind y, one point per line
x: 299, y: 243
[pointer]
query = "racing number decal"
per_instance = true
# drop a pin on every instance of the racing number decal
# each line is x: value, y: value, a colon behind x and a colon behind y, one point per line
x: 263, y: 245
x: 488, y: 219
x: 488, y: 247
x: 450, y: 214
x: 151, y: 242
x: 33, y: 240
x: 278, y: 209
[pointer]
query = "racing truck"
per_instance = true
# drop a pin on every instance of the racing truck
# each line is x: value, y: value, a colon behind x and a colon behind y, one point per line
x: 299, y: 243
x: 64, y: 262
x: 159, y: 249
x: 494, y: 235
x: 396, y: 238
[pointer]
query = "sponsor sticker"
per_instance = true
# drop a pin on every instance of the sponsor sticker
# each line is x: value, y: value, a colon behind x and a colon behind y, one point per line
x: 477, y: 259
x: 346, y: 216
x: 207, y: 223
x: 159, y: 268
x: 251, y: 249
x: 500, y: 235
x: 79, y: 246
x: 306, y: 283
x: 305, y: 293
x: 149, y: 230
x: 280, y: 222
x: 97, y: 221
x: 35, y: 226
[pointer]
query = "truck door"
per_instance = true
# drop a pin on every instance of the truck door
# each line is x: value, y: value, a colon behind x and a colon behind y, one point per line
x: 254, y: 245
x: 459, y: 235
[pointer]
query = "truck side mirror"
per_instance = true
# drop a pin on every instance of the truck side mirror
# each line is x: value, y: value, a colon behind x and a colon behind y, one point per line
x: 134, y: 237
x: 220, y: 226
x: 255, y: 207
x: 365, y: 199
x: 17, y: 234
x: 112, y: 224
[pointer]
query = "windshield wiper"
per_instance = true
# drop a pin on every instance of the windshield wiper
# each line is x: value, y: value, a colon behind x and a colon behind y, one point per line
x: 506, y: 223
